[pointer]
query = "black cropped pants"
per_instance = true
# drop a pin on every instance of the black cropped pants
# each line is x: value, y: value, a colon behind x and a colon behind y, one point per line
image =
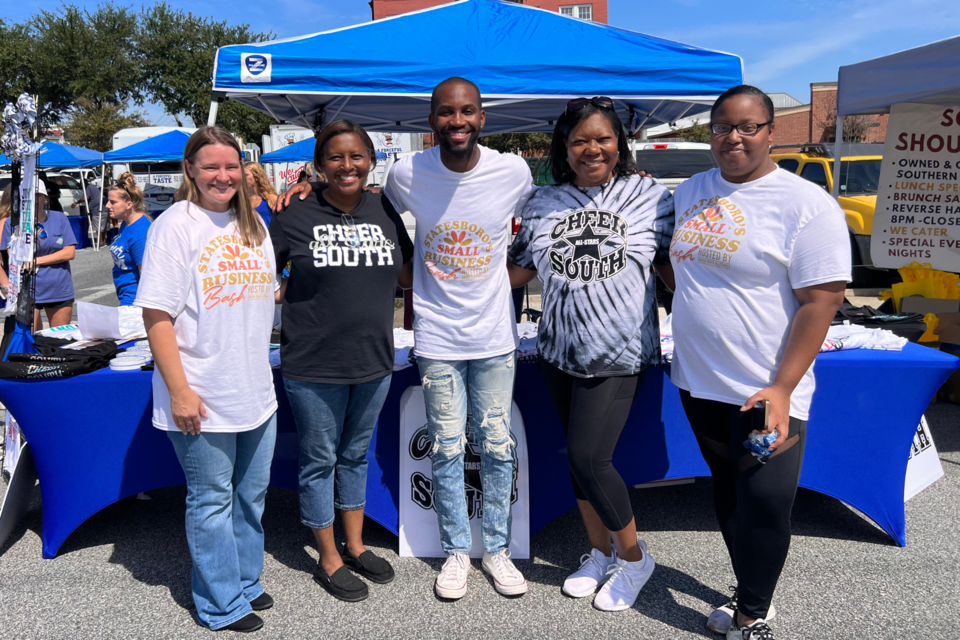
x: 753, y: 501
x: 592, y: 412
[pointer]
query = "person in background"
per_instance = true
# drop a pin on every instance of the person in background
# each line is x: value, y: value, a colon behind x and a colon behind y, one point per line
x: 264, y: 196
x: 56, y: 247
x: 95, y: 220
x: 213, y: 393
x: 761, y: 260
x: 593, y: 237
x: 125, y: 205
x: 306, y: 175
x: 53, y: 189
x: 340, y: 241
x: 6, y: 209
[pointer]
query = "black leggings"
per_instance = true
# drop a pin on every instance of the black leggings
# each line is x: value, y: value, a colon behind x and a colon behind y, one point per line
x: 592, y: 413
x: 753, y: 500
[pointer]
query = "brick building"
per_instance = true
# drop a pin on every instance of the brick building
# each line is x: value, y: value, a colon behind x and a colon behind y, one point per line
x: 595, y: 10
x: 817, y: 120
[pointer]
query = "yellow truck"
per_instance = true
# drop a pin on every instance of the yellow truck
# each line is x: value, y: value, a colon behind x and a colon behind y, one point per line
x: 859, y: 180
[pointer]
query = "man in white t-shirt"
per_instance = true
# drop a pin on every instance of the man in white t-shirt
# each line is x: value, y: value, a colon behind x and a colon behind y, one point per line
x: 464, y: 198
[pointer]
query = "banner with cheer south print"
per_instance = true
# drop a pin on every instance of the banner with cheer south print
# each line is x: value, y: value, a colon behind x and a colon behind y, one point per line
x: 419, y: 531
x: 923, y: 468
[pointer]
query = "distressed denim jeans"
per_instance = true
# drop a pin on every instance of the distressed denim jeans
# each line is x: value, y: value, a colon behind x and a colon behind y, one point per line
x: 335, y: 423
x: 227, y: 477
x: 488, y: 385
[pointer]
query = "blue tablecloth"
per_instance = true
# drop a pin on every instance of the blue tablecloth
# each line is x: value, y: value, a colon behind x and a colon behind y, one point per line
x: 104, y: 448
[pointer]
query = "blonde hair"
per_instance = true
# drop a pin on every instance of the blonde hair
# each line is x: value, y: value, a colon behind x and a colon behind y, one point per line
x: 249, y: 224
x: 126, y: 186
x: 261, y: 182
x: 6, y: 202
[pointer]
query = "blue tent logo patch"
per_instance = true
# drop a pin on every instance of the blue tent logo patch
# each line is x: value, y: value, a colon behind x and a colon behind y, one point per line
x: 255, y: 67
x: 256, y: 64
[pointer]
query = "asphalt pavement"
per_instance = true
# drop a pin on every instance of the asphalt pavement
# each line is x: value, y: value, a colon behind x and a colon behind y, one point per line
x: 125, y: 573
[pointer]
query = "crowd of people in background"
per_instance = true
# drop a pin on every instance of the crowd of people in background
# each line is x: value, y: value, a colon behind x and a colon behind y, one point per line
x: 748, y: 322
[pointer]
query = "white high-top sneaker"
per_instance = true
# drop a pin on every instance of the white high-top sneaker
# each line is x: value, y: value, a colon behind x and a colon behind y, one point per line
x: 625, y: 581
x: 591, y: 574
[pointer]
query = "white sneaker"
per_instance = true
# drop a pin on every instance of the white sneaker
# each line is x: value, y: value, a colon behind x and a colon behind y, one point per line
x: 452, y: 581
x: 591, y: 574
x: 625, y: 581
x: 722, y: 617
x: 759, y: 630
x: 507, y: 579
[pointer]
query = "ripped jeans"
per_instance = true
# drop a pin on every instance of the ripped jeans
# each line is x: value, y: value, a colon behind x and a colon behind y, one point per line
x: 489, y: 384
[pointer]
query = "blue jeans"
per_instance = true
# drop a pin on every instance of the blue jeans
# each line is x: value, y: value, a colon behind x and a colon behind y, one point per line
x: 335, y: 423
x: 227, y: 477
x: 489, y: 385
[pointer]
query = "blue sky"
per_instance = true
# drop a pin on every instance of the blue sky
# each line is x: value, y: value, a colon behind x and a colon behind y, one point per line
x: 784, y: 45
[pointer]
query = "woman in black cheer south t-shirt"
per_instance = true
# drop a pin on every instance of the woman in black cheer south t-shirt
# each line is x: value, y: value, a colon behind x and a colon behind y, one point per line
x: 347, y: 248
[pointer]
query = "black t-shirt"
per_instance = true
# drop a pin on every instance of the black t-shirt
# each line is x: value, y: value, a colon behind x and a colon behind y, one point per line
x: 339, y: 304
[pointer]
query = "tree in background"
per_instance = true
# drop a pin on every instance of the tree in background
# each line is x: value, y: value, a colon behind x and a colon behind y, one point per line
x: 93, y: 126
x: 177, y: 50
x: 696, y: 133
x: 522, y: 143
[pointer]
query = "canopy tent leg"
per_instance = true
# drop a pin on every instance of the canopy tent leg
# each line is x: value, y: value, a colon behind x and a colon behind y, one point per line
x: 837, y: 158
x: 212, y: 118
x: 96, y: 241
x: 83, y: 185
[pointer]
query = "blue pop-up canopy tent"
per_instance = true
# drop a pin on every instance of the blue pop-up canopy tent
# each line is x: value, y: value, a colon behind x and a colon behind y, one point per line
x: 300, y: 152
x: 167, y: 147
x: 528, y: 63
x: 54, y: 155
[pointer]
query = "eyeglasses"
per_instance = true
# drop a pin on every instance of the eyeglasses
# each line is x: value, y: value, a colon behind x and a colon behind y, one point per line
x: 601, y: 102
x: 43, y: 232
x: 747, y: 129
x: 347, y: 219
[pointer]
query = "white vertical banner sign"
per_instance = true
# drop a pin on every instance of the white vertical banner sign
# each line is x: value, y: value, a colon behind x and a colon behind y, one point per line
x: 923, y: 468
x: 419, y: 531
x: 917, y: 216
x: 21, y: 238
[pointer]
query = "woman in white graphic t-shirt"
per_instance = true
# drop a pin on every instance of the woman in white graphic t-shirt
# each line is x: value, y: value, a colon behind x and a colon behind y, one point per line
x: 207, y: 293
x: 761, y: 260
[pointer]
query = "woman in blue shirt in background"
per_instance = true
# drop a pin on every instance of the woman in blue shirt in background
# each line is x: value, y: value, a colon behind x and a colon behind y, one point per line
x: 125, y: 205
x: 264, y: 195
x: 56, y: 247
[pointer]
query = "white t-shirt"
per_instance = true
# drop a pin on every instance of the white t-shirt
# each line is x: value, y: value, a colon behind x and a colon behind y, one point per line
x: 461, y: 290
x: 738, y: 252
x: 220, y: 294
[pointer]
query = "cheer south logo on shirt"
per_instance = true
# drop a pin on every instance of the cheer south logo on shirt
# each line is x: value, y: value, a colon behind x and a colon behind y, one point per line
x: 592, y: 245
x: 232, y: 272
x: 458, y: 250
x: 364, y: 244
x: 709, y: 232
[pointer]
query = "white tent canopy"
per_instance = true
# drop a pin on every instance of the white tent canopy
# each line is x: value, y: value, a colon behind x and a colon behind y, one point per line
x: 929, y: 74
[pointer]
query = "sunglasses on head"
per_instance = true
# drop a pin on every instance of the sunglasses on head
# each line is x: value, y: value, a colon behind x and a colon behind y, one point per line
x: 601, y: 102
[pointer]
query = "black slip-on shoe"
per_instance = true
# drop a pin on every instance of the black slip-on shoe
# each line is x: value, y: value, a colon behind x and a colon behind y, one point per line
x: 261, y: 602
x: 342, y: 585
x: 246, y: 624
x: 369, y: 565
